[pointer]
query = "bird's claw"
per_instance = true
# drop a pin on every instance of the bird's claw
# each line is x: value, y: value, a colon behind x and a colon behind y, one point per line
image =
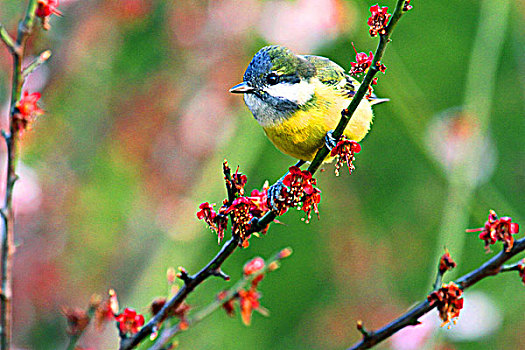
x: 329, y: 140
x: 274, y: 194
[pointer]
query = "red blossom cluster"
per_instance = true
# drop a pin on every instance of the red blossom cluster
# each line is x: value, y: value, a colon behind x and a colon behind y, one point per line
x: 378, y: 20
x: 363, y: 62
x: 26, y: 110
x: 298, y: 190
x: 497, y: 229
x: 242, y: 209
x: 260, y: 201
x: 446, y: 263
x: 449, y: 302
x: 103, y: 311
x: 218, y: 222
x: 241, y: 218
x: 129, y: 321
x: 46, y: 8
x: 345, y: 151
x: 248, y: 298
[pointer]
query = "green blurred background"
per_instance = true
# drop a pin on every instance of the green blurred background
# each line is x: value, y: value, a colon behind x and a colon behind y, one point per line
x: 139, y: 118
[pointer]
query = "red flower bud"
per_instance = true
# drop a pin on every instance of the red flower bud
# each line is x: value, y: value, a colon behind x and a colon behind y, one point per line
x: 253, y: 266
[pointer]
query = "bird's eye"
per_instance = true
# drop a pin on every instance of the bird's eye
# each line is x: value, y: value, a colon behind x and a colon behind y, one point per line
x: 272, y: 79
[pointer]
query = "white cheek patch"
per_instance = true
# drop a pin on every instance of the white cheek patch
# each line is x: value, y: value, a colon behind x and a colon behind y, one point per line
x: 299, y: 93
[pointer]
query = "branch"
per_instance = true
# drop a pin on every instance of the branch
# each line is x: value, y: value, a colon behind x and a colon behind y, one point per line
x: 213, y: 268
x: 44, y: 56
x: 490, y: 268
x: 7, y: 39
x: 11, y: 140
x: 168, y: 334
x: 189, y: 285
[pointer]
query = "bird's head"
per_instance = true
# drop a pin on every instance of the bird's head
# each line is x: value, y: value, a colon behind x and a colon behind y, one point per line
x: 276, y: 83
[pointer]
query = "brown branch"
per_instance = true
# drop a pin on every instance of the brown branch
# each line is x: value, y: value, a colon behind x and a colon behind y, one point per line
x: 171, y: 332
x: 187, y: 288
x: 213, y: 268
x: 490, y: 268
x: 17, y: 50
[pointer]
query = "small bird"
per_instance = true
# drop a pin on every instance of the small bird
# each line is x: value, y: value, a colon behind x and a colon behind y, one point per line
x: 298, y: 99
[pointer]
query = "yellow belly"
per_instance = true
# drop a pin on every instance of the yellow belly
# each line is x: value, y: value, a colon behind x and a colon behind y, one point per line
x: 301, y: 135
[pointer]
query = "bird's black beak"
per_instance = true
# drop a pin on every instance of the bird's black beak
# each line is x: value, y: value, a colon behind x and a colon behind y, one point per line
x: 242, y: 88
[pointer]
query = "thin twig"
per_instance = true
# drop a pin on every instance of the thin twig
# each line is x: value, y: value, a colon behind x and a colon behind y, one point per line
x: 7, y: 39
x: 73, y: 340
x: 11, y: 139
x: 490, y: 268
x: 168, y: 334
x: 44, y: 56
x: 187, y: 288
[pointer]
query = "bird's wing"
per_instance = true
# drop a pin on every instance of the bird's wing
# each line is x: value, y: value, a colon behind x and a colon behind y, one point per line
x: 332, y: 74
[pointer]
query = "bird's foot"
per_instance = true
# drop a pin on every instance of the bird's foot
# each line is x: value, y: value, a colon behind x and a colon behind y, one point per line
x: 275, y: 193
x: 329, y: 140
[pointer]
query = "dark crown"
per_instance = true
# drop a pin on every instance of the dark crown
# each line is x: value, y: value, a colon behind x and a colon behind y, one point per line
x: 279, y: 59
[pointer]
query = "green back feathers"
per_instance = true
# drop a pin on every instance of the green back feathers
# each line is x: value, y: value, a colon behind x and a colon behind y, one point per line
x: 328, y: 72
x: 332, y: 74
x: 285, y: 62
